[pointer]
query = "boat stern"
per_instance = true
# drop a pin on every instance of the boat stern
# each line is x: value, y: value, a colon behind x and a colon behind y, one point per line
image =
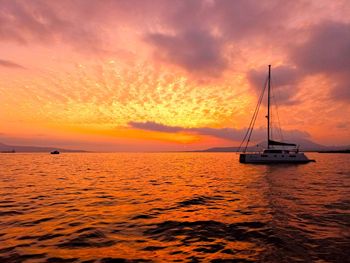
x: 242, y: 158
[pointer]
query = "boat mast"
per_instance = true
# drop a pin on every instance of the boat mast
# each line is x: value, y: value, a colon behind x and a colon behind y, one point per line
x: 268, y: 108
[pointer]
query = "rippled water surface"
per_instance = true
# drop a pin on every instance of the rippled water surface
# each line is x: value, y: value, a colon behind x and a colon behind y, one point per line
x: 172, y: 207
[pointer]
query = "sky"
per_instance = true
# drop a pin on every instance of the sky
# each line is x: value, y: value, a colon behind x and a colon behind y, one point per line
x: 157, y: 75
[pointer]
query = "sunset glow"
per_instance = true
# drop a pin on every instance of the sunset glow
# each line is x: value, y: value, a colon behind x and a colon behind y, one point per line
x: 170, y: 75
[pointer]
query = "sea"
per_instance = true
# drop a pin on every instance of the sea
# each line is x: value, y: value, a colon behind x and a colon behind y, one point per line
x: 172, y: 207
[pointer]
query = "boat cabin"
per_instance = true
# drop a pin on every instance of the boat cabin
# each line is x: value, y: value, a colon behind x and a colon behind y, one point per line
x: 275, y: 151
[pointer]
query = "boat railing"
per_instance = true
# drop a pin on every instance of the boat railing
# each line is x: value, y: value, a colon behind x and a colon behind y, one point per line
x: 252, y: 152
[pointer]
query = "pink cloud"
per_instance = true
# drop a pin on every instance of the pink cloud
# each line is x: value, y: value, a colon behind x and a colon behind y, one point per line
x: 327, y: 51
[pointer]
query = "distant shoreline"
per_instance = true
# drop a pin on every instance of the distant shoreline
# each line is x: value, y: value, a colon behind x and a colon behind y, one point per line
x: 87, y: 152
x: 340, y: 151
x: 5, y: 148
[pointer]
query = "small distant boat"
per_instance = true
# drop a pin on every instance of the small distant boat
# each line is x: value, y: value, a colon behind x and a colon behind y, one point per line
x: 55, y: 152
x: 276, y: 152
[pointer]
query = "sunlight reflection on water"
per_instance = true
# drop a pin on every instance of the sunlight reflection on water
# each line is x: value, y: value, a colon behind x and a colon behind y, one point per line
x: 172, y: 207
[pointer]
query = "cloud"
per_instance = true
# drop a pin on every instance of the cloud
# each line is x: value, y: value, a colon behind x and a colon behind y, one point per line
x: 46, y: 22
x: 189, y: 40
x: 223, y: 133
x: 153, y: 126
x: 343, y: 125
x: 197, y: 35
x: 194, y: 50
x: 247, y: 19
x: 85, y: 25
x: 327, y: 51
x: 284, y: 82
x: 10, y: 64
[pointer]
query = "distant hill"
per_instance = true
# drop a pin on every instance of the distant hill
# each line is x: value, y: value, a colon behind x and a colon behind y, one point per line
x: 17, y: 148
x: 305, y: 145
x: 336, y: 151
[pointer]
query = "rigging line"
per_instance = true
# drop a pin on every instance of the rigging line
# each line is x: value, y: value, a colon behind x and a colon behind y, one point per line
x: 274, y: 106
x: 279, y: 123
x: 251, y: 125
x: 250, y: 132
x: 255, y: 113
x: 272, y: 112
x: 277, y: 114
x: 272, y: 118
x: 252, y: 128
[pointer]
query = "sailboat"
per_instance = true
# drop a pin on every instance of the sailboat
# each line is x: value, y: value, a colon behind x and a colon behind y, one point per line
x: 276, y: 151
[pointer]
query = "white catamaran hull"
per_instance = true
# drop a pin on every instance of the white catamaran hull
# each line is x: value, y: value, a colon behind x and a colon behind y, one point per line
x: 273, y: 158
